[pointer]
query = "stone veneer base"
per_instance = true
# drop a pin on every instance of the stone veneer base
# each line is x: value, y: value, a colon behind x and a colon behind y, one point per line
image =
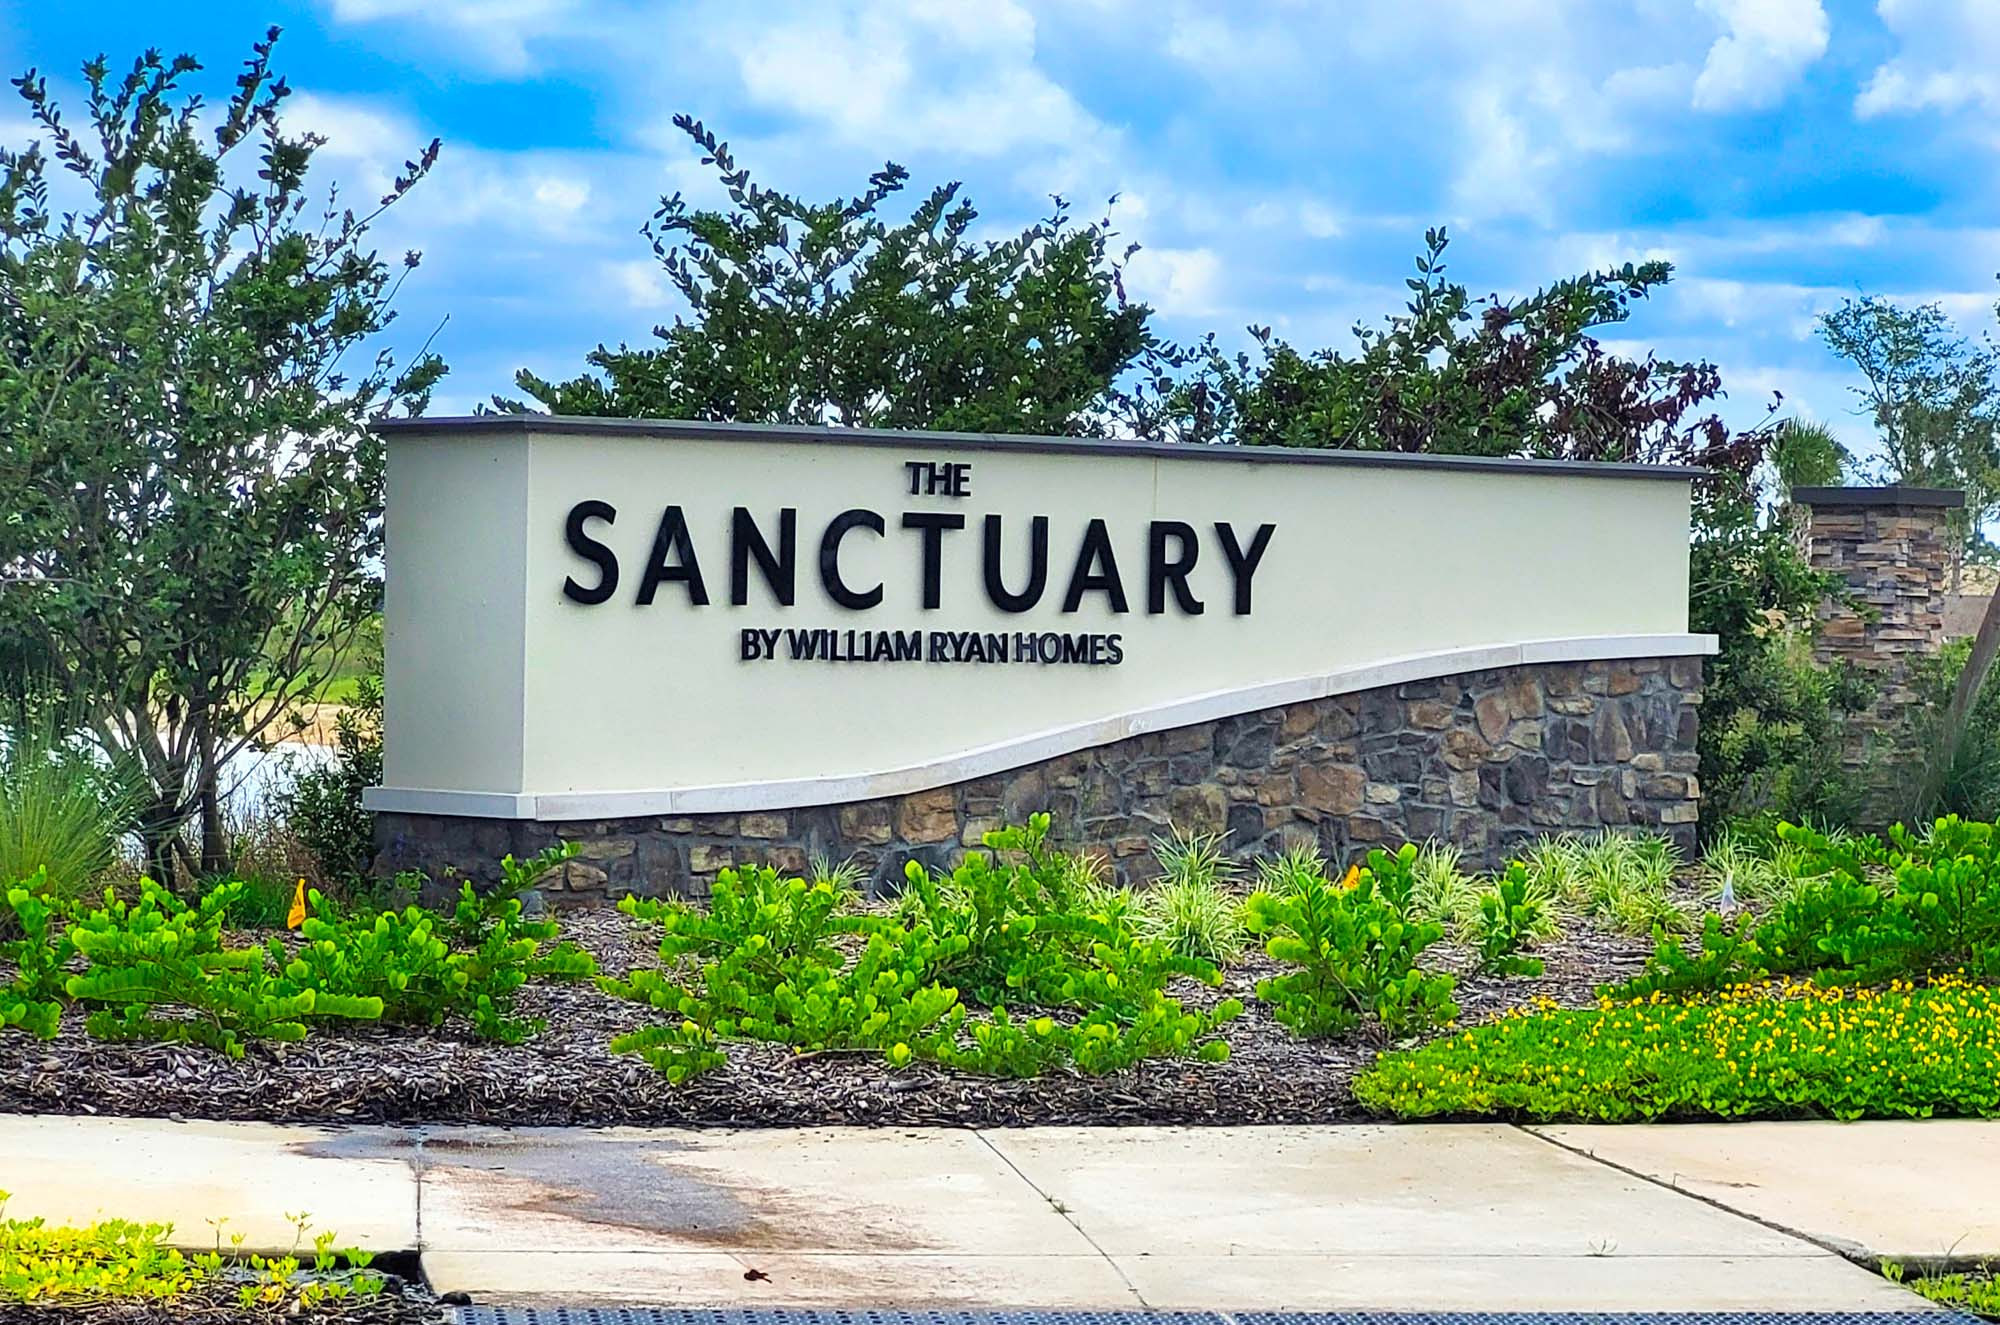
x: 1486, y: 760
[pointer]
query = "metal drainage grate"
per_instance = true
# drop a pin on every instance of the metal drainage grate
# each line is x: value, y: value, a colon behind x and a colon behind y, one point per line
x: 504, y: 1315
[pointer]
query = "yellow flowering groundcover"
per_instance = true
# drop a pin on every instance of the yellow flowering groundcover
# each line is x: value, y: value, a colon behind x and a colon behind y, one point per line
x: 118, y: 1261
x: 1776, y: 1049
x: 114, y: 1259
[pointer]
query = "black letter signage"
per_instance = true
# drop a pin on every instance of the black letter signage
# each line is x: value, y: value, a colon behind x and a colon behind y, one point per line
x: 593, y: 551
x: 829, y: 559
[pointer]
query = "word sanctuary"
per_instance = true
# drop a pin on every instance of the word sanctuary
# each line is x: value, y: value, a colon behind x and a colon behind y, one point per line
x: 1171, y: 551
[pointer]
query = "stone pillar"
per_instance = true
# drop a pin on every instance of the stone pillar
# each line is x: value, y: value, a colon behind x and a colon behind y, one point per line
x: 1893, y: 548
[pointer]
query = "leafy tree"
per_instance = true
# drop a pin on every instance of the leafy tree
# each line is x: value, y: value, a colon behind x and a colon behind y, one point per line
x: 828, y: 313
x: 1457, y: 375
x: 192, y: 492
x: 1528, y: 377
x: 1934, y: 398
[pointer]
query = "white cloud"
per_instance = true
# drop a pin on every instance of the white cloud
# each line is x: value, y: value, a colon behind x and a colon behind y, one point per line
x: 1765, y: 46
x: 641, y: 283
x: 1177, y: 282
x: 909, y: 74
x: 367, y: 144
x: 354, y: 130
x: 495, y: 32
x: 1319, y: 220
x: 1947, y: 58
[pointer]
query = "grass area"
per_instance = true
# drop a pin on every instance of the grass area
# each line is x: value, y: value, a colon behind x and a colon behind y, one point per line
x: 1774, y: 1049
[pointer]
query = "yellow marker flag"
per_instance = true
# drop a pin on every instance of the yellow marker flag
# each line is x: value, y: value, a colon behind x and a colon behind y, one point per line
x: 297, y: 915
x: 1353, y: 878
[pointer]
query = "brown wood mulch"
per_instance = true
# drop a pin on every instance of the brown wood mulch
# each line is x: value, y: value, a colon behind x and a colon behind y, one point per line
x: 567, y: 1075
x: 400, y: 1303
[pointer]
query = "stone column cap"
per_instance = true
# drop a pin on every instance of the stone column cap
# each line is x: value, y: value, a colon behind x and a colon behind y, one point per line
x: 1894, y: 494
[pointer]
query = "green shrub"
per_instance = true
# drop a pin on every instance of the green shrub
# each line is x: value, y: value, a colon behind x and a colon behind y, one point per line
x: 1099, y: 1043
x: 1354, y: 946
x: 421, y: 967
x: 765, y: 961
x: 790, y: 961
x: 33, y: 999
x: 1019, y: 908
x: 63, y: 813
x: 1783, y: 1050
x: 1509, y: 917
x: 1189, y: 910
x: 160, y: 971
x: 322, y: 806
x: 1861, y: 910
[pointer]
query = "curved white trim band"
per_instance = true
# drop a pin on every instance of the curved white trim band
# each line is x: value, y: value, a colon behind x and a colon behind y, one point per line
x: 731, y: 798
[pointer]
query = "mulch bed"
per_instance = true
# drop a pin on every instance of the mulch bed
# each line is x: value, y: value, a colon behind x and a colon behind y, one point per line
x: 400, y: 1303
x: 567, y: 1075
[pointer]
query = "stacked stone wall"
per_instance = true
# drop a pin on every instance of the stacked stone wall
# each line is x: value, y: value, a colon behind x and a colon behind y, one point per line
x: 1893, y: 550
x: 1487, y: 761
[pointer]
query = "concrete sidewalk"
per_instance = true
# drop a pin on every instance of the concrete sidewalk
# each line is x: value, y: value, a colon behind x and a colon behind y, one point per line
x: 1358, y: 1217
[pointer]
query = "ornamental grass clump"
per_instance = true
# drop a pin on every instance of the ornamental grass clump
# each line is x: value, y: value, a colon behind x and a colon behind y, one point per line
x: 1052, y: 982
x: 62, y: 812
x: 1440, y: 888
x: 1351, y: 946
x: 1617, y: 878
x: 1190, y: 908
x: 1779, y: 1049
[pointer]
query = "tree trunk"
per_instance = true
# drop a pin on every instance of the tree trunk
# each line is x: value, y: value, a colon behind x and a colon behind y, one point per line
x: 1966, y: 693
x: 157, y: 832
x: 214, y: 845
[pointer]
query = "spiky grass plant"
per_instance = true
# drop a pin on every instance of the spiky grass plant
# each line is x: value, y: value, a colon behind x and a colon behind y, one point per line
x: 1736, y: 870
x: 1621, y: 879
x: 1442, y: 891
x: 61, y: 810
x: 1283, y: 873
x: 847, y: 878
x: 1190, y: 908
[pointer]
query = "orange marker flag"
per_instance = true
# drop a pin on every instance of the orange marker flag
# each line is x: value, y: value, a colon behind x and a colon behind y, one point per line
x: 297, y: 915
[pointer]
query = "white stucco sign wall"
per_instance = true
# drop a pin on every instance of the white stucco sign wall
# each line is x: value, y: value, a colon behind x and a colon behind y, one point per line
x: 590, y: 619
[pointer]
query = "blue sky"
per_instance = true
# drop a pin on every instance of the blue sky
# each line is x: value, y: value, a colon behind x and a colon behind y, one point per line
x: 1278, y: 162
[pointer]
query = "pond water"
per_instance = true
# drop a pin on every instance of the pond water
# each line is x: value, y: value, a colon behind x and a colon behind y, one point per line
x: 250, y: 780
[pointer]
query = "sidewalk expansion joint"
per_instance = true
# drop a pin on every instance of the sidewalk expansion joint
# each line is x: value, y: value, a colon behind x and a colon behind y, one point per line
x: 1846, y: 1251
x: 1068, y: 1218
